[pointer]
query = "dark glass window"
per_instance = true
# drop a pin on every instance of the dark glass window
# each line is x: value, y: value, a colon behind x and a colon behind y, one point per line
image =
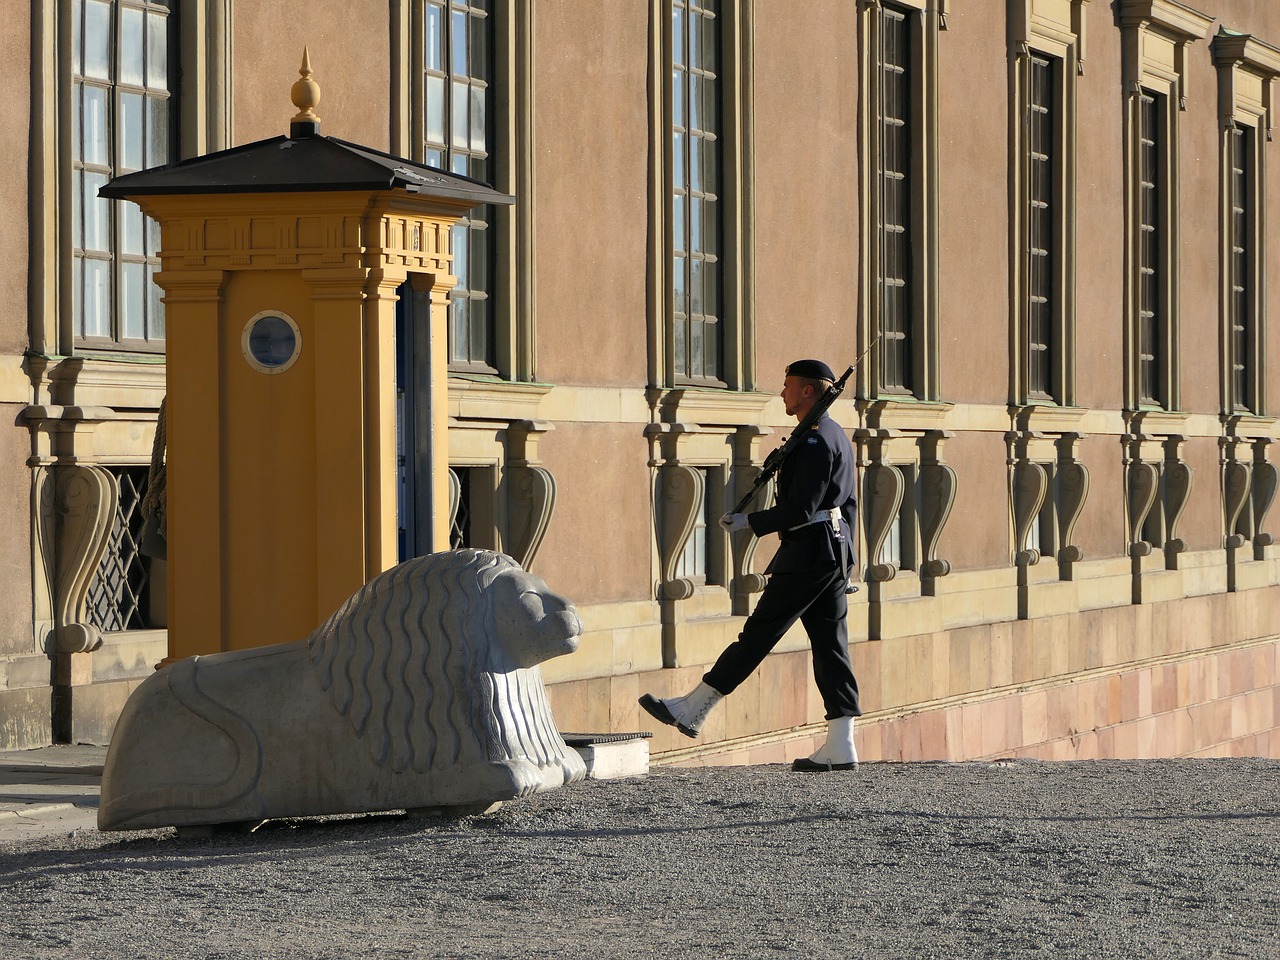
x: 1042, y: 164
x: 1240, y: 307
x: 894, y: 173
x: 458, y: 132
x: 122, y: 80
x: 1151, y: 247
x: 695, y: 186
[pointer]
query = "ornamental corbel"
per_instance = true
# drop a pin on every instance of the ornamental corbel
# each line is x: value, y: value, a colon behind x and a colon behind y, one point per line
x: 75, y: 506
x: 679, y: 498
x: 885, y: 486
x: 531, y: 491
x: 1030, y: 484
x: 1266, y: 478
x: 1073, y: 490
x: 1177, y: 479
x: 938, y: 485
x: 1142, y: 483
x: 743, y: 543
x: 1235, y: 489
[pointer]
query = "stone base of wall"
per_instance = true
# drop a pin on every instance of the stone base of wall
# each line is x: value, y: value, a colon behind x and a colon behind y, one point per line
x: 1125, y: 682
x: 1219, y: 704
x: 26, y: 718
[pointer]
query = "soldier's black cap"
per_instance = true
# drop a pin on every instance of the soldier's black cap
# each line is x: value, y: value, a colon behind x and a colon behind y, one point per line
x: 812, y: 369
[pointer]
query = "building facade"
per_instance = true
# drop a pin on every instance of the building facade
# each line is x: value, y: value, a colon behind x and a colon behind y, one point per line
x: 1042, y: 225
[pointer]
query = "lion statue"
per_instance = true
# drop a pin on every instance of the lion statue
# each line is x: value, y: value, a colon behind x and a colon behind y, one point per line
x: 422, y: 691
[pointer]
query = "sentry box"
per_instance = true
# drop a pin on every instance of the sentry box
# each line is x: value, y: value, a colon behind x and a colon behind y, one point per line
x: 305, y: 284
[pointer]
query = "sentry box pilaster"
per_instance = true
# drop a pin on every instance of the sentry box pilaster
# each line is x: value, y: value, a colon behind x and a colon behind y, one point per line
x: 305, y: 285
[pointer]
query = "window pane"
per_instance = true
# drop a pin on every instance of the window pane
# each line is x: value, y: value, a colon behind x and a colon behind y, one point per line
x: 677, y: 36
x: 130, y: 156
x: 458, y: 247
x: 130, y: 68
x: 97, y: 213
x: 131, y: 228
x: 153, y: 237
x: 479, y: 45
x: 435, y: 37
x: 133, y: 300
x: 93, y: 139
x: 158, y: 142
x: 97, y: 40
x: 97, y: 298
x: 460, y: 125
x: 157, y: 51
x: 677, y: 223
x: 458, y: 43
x: 477, y: 118
x: 155, y: 307
x: 435, y: 110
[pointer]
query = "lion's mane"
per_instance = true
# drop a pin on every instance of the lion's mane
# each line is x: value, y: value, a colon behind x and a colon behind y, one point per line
x: 437, y: 689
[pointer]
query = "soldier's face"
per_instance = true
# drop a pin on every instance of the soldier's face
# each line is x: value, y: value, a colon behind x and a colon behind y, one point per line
x: 797, y: 396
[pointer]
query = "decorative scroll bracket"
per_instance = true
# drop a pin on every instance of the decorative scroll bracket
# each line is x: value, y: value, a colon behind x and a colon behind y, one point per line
x: 74, y: 507
x: 679, y: 498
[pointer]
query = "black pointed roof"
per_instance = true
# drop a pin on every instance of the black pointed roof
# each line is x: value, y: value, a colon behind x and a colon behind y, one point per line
x: 300, y: 164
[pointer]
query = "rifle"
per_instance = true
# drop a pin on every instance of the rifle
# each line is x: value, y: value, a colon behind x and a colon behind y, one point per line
x: 773, y: 462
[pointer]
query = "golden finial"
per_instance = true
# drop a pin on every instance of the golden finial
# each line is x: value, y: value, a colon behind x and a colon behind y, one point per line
x: 305, y: 95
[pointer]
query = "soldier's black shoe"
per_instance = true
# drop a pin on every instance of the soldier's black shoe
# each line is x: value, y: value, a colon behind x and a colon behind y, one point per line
x: 805, y: 765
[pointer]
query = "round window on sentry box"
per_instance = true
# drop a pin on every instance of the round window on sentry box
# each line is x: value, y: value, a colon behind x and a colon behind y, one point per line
x: 271, y: 342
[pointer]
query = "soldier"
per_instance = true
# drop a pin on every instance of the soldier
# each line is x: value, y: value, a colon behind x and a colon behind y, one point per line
x: 814, y: 517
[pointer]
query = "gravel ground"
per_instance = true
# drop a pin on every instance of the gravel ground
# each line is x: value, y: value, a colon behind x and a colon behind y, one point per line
x: 1176, y: 859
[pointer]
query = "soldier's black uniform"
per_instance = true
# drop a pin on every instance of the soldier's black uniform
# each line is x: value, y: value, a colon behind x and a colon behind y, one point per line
x: 810, y: 571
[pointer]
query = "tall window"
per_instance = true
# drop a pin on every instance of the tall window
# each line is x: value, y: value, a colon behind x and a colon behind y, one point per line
x: 894, y: 174
x: 1151, y: 248
x: 121, y: 102
x: 898, y: 42
x: 695, y: 189
x: 458, y: 63
x: 1042, y: 252
x: 1242, y: 187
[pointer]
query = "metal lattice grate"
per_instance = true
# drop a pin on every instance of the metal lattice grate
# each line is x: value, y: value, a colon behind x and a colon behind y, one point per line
x: 117, y: 595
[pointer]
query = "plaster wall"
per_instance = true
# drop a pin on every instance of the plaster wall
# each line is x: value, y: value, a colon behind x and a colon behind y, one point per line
x: 1100, y: 530
x: 973, y: 248
x: 349, y: 43
x: 1099, y: 340
x: 592, y: 194
x: 597, y: 548
x: 15, y: 116
x: 978, y: 534
x: 806, y: 198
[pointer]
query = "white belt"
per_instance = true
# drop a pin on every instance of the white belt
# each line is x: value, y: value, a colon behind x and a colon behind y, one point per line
x: 822, y: 516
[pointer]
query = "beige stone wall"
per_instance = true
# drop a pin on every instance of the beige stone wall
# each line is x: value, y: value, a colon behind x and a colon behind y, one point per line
x: 806, y: 179
x: 349, y: 43
x: 15, y: 117
x: 592, y: 196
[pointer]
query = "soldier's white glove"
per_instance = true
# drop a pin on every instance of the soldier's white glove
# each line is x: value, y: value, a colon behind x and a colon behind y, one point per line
x: 733, y: 522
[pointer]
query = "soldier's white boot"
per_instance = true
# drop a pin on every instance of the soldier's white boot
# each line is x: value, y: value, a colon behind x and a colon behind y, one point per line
x: 688, y: 713
x: 838, y: 753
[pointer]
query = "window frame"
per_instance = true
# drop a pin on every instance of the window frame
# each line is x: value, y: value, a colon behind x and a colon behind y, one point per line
x: 1247, y: 68
x: 201, y: 123
x: 1155, y: 35
x: 1036, y: 34
x: 737, y: 371
x: 512, y: 320
x: 917, y: 378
